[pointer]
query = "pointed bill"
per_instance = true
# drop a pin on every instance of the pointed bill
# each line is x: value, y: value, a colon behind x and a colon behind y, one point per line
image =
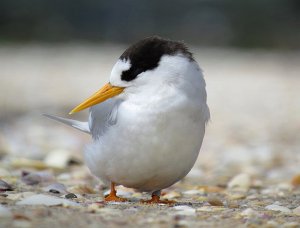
x: 106, y: 92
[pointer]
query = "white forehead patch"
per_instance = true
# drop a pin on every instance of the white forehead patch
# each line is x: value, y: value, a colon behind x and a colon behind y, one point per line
x: 116, y: 72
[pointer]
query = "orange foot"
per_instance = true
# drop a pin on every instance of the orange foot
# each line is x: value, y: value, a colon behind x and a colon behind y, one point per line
x: 156, y: 200
x: 112, y: 197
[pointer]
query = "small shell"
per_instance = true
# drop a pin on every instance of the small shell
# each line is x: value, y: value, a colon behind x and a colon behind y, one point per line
x: 240, y: 182
x: 185, y: 210
x: 215, y: 202
x: 249, y: 213
x: 36, y: 177
x: 193, y: 192
x: 274, y: 207
x: 236, y: 196
x: 41, y: 199
x: 210, y: 208
x: 5, y: 186
x: 56, y: 188
x: 60, y: 159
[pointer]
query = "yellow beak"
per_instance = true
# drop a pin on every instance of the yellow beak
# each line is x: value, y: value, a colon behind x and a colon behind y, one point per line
x: 106, y: 92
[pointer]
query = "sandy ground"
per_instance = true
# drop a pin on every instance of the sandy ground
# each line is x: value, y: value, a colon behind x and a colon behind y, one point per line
x: 247, y: 173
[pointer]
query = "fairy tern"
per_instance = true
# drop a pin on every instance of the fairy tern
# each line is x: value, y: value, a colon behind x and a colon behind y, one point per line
x: 148, y: 122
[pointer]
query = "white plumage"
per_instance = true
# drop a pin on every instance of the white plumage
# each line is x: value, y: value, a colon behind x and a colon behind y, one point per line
x: 154, y: 133
x: 148, y: 137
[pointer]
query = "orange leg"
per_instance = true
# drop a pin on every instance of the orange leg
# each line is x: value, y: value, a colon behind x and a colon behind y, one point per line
x: 112, y: 197
x: 156, y: 199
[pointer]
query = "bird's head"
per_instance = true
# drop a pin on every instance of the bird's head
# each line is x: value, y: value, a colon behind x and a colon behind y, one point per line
x: 146, y: 63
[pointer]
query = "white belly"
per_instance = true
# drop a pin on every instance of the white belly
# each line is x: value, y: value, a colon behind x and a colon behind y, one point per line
x: 148, y: 150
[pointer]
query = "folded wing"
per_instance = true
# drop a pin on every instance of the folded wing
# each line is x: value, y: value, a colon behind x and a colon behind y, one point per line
x: 102, y: 116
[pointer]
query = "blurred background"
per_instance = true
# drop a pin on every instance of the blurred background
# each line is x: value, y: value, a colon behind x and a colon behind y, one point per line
x: 54, y: 54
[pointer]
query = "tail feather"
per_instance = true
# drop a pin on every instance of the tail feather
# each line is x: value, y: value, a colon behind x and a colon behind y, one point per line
x: 82, y: 126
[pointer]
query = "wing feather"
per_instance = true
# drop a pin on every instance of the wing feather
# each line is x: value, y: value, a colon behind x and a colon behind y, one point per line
x: 82, y: 126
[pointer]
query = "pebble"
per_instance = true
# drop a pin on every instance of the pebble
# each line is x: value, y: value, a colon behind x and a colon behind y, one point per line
x: 81, y: 189
x: 5, y: 212
x: 296, y: 211
x: 249, y: 213
x: 202, y: 199
x: 172, y: 195
x: 184, y: 210
x: 257, y: 184
x: 240, y: 182
x: 210, y: 208
x: 193, y: 192
x: 70, y: 196
x: 46, y: 200
x: 64, y: 177
x: 18, y: 216
x: 5, y: 186
x: 17, y: 196
x: 215, y: 202
x: 210, y: 189
x: 274, y: 207
x: 58, y: 158
x: 269, y: 191
x: 284, y: 187
x: 236, y: 196
x: 233, y: 204
x: 56, y: 188
x: 36, y: 177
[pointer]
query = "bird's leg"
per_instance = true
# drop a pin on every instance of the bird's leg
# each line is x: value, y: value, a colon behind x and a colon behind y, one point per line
x: 156, y: 199
x: 113, y: 195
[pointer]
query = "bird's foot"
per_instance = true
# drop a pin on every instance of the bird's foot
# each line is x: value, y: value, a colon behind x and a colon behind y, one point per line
x: 114, y: 198
x: 156, y: 200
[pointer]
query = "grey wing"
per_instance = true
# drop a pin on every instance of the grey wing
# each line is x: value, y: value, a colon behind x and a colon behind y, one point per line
x: 102, y: 116
x: 82, y: 126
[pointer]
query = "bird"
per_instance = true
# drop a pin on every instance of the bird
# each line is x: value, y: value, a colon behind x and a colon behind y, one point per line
x: 148, y: 122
